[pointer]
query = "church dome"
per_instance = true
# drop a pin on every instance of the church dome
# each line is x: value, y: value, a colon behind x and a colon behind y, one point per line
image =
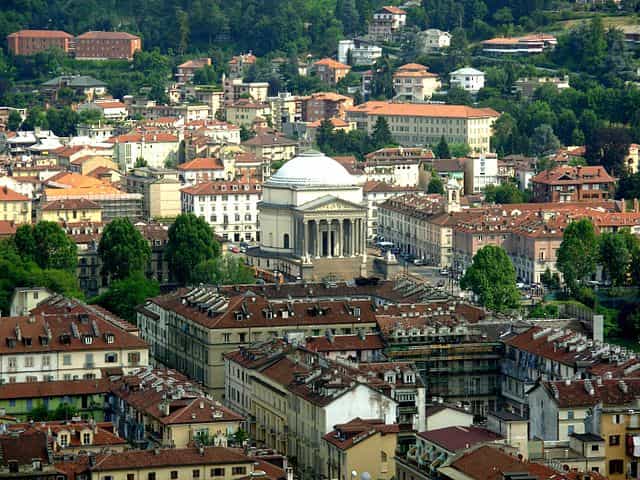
x: 311, y: 169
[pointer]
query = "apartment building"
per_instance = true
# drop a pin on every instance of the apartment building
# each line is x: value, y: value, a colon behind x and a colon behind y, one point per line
x: 480, y: 172
x: 271, y: 145
x: 210, y: 95
x: 358, y: 54
x: 526, y: 87
x: 30, y: 42
x: 245, y: 113
x: 107, y: 46
x: 413, y: 82
x: 160, y: 190
x: 285, y: 109
x: 387, y: 22
x: 14, y: 207
x: 330, y: 71
x: 155, y: 149
x: 433, y: 40
x: 236, y: 89
x: 324, y: 105
x: 203, y: 170
x: 398, y: 166
x: 425, y: 124
x: 239, y: 64
x: 231, y: 208
x: 186, y: 70
x: 565, y: 183
x: 74, y: 211
x: 109, y: 109
x: 527, y: 45
x: 239, y: 320
x: 88, y: 163
x: 163, y: 408
x: 85, y: 85
x: 65, y: 339
x: 377, y: 192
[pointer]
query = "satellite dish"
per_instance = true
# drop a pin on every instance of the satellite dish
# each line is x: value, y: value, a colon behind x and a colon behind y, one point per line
x: 365, y: 476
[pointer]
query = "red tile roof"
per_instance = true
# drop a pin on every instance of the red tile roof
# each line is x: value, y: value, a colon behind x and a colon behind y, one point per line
x: 348, y: 434
x: 585, y: 393
x: 341, y: 343
x: 96, y: 35
x: 147, y: 138
x: 7, y: 228
x: 8, y: 195
x: 394, y: 10
x: 568, y: 175
x: 333, y: 64
x: 169, y: 457
x: 376, y: 107
x: 223, y: 188
x: 60, y: 388
x: 41, y: 34
x: 202, y: 163
x: 24, y: 449
x: 458, y: 438
x: 70, y: 204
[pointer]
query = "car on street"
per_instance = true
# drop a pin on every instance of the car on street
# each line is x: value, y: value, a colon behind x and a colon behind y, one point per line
x: 444, y: 272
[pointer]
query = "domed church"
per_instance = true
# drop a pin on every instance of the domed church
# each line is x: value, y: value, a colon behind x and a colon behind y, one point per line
x: 312, y: 221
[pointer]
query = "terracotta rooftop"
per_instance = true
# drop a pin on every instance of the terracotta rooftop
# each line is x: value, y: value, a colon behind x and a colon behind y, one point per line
x: 331, y: 63
x: 394, y: 10
x: 376, y: 107
x: 585, y: 393
x: 7, y: 228
x: 10, y: 391
x: 41, y: 34
x: 454, y: 439
x: 569, y: 175
x: 202, y: 163
x: 147, y: 138
x: 345, y: 343
x: 8, y: 195
x: 348, y: 434
x: 70, y: 204
x: 223, y: 188
x: 96, y: 35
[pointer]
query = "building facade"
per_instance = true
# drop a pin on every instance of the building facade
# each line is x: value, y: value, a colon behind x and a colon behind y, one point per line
x: 107, y: 45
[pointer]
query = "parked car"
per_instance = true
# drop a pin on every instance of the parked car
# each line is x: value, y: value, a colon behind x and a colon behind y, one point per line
x: 444, y: 272
x: 419, y: 261
x: 233, y: 249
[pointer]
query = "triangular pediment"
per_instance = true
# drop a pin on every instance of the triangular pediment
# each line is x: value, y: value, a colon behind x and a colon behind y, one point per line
x: 329, y: 203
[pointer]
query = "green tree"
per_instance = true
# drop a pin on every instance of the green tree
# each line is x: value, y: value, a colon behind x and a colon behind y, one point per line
x: 442, y: 149
x: 123, y: 249
x: 62, y: 121
x: 125, y: 294
x: 48, y: 245
x: 503, y: 194
x: 39, y: 413
x: 140, y: 162
x: 63, y: 411
x: 578, y: 253
x: 190, y: 243
x: 459, y: 150
x: 608, y: 147
x: 614, y: 257
x: 544, y: 140
x: 246, y: 133
x: 223, y: 270
x: 492, y: 278
x: 459, y: 96
x: 14, y: 121
x: 435, y: 184
x: 381, y: 136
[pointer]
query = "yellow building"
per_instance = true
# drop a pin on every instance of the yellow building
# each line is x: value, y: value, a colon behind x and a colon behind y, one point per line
x: 160, y: 189
x: 72, y: 211
x: 271, y: 145
x: 88, y: 163
x: 362, y: 446
x: 425, y: 124
x: 244, y: 112
x: 215, y: 463
x: 14, y: 207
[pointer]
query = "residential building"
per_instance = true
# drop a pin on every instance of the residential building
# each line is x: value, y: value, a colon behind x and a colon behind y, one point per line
x: 245, y: 113
x: 358, y: 55
x: 30, y: 42
x: 330, y: 71
x: 231, y: 208
x: 468, y: 79
x: 447, y: 169
x: 192, y: 462
x: 397, y: 166
x: 107, y: 46
x: 76, y: 210
x: 414, y: 83
x: 162, y: 408
x: 271, y: 145
x: 156, y: 150
x: 187, y: 70
x: 109, y: 109
x: 632, y: 162
x: 573, y: 184
x: 285, y: 109
x: 24, y: 299
x: 14, y: 207
x: 184, y: 112
x: 210, y: 95
x: 443, y: 415
x: 220, y: 330
x: 64, y: 339
x: 480, y: 172
x: 526, y: 87
x: 529, y: 44
x: 88, y: 163
x: 239, y: 64
x: 361, y: 446
x: 324, y: 105
x: 160, y: 190
x: 65, y: 156
x: 80, y: 84
x: 349, y: 348
x: 203, y: 170
x: 377, y: 192
x: 235, y: 89
x: 387, y: 22
x: 433, y: 40
x: 27, y: 457
x: 419, y: 124
x: 86, y: 396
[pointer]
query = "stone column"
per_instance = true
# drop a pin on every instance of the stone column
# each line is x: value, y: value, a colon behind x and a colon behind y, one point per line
x: 329, y: 238
x: 340, y: 251
x: 304, y: 239
x: 352, y: 237
x: 317, y: 239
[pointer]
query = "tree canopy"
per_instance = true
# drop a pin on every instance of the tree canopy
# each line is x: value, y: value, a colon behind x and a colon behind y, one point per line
x: 190, y: 242
x: 223, y: 270
x: 578, y: 253
x: 125, y: 294
x: 123, y: 249
x: 492, y: 278
x: 48, y: 245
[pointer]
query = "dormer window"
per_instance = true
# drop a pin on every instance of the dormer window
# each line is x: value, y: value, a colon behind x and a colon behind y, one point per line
x: 109, y: 338
x: 87, y: 339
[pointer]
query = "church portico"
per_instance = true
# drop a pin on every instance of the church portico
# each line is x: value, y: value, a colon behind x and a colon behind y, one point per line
x: 313, y: 215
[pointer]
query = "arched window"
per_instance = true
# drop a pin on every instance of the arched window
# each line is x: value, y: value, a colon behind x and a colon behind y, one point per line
x: 285, y: 241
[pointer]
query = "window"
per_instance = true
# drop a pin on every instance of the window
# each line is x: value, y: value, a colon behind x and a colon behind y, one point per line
x: 285, y: 241
x: 614, y: 440
x: 28, y: 362
x: 595, y: 448
x: 86, y: 438
x: 238, y: 470
x: 217, y: 472
x: 45, y: 361
x: 66, y: 359
x: 134, y: 359
x: 617, y: 419
x: 131, y: 476
x: 151, y: 476
x: 570, y: 429
x: 196, y: 473
x: 616, y: 466
x: 570, y: 415
x: 174, y: 474
x: 12, y: 362
x: 63, y: 440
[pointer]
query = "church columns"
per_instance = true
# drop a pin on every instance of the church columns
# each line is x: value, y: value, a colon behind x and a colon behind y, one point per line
x: 317, y: 242
x: 305, y: 229
x: 340, y: 252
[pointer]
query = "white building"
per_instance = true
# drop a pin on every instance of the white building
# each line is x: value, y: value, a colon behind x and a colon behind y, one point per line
x: 110, y: 109
x: 157, y: 150
x: 468, y: 79
x: 433, y: 40
x: 479, y: 172
x: 229, y: 207
x: 414, y: 83
x: 375, y: 193
x: 203, y: 170
x: 313, y: 220
x: 361, y: 55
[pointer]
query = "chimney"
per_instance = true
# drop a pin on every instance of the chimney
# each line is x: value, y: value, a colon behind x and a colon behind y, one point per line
x: 201, y: 450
